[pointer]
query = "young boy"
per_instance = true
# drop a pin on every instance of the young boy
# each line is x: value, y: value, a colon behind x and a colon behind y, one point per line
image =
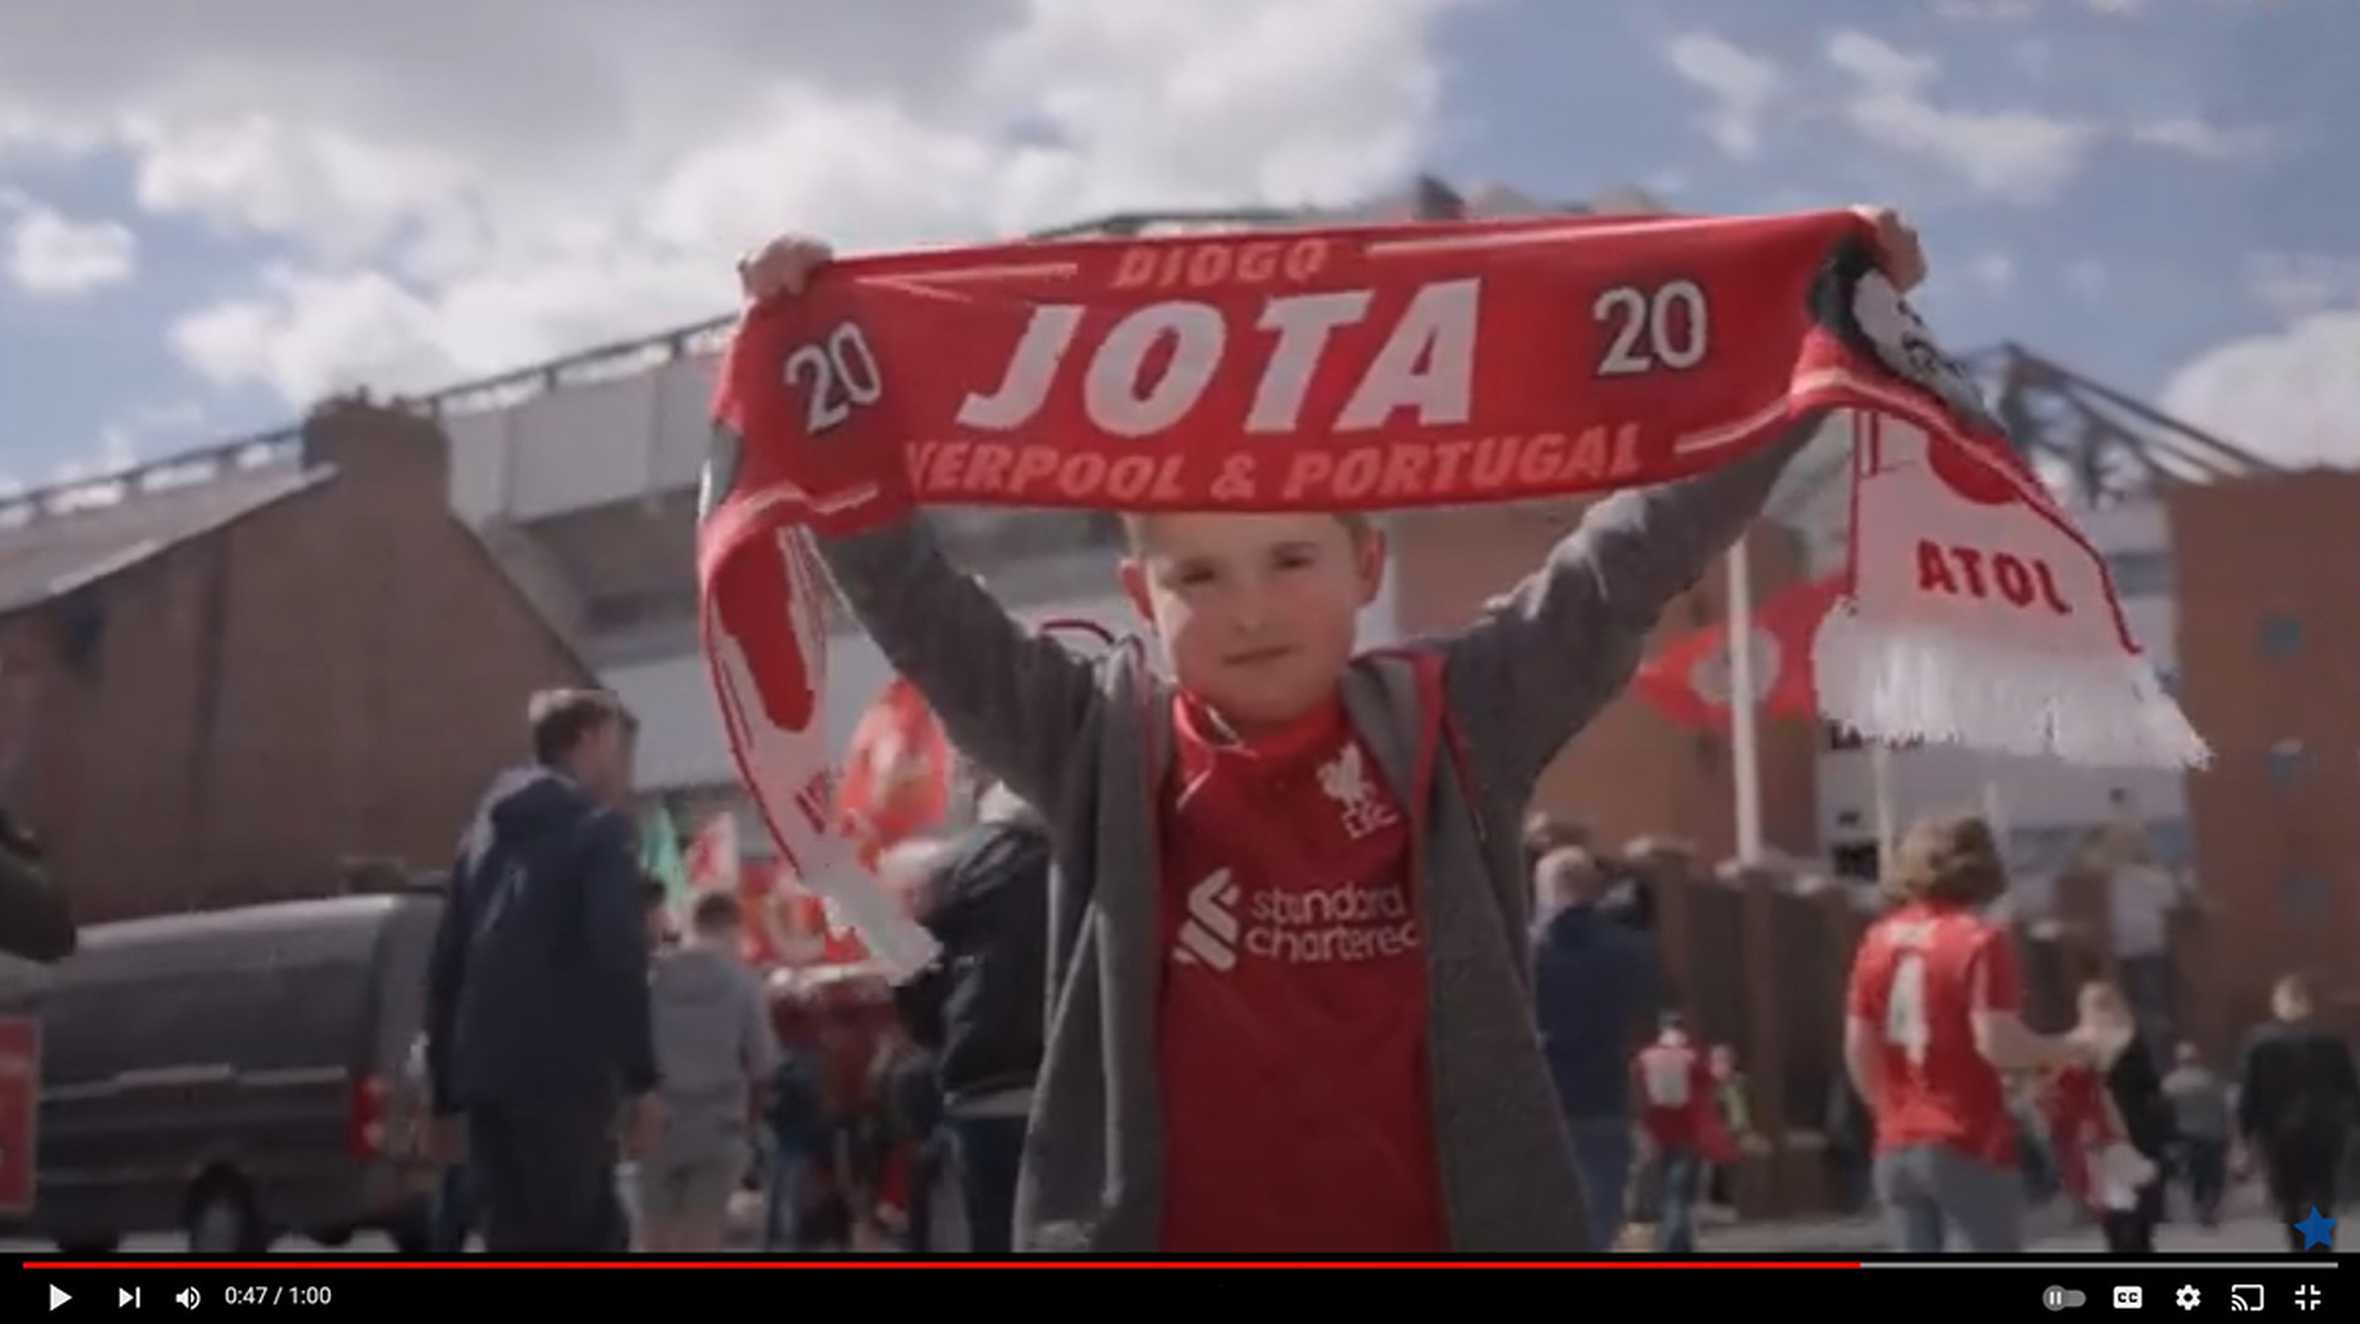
x: 716, y: 1051
x: 1675, y: 1088
x: 1291, y: 1006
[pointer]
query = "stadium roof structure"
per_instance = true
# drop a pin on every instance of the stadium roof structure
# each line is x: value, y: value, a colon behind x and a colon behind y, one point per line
x: 1426, y: 199
x: 2093, y: 444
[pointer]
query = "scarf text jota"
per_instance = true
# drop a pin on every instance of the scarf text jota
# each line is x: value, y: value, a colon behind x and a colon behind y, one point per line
x: 1392, y: 367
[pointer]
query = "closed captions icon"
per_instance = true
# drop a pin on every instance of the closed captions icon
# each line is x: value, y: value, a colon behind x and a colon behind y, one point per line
x: 2129, y: 1298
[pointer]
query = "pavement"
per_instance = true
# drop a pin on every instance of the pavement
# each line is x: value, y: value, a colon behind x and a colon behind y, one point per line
x: 2246, y: 1227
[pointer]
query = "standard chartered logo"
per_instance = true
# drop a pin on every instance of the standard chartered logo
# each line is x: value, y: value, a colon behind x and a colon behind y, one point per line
x: 1343, y: 923
x: 1209, y: 935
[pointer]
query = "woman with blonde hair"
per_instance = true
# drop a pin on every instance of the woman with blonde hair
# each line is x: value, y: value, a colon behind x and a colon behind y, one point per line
x: 2111, y: 1122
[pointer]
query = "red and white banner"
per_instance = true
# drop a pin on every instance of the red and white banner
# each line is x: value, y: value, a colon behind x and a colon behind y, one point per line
x: 1689, y: 679
x: 20, y: 1112
x: 1979, y: 614
x: 1385, y: 367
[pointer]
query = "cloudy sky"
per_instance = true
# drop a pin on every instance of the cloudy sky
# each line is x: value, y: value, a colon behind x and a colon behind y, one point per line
x: 212, y: 214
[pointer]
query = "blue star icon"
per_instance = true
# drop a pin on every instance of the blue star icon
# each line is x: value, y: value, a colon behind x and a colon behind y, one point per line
x: 2316, y: 1231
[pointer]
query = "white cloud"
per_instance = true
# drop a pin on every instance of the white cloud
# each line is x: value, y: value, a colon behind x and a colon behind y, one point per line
x: 2294, y: 285
x: 341, y: 193
x: 1999, y: 11
x: 2020, y: 156
x: 586, y: 169
x: 1885, y: 68
x: 2087, y: 277
x: 1996, y: 272
x: 2203, y: 140
x: 51, y: 255
x: 1744, y: 86
x: 2017, y: 11
x: 2291, y: 396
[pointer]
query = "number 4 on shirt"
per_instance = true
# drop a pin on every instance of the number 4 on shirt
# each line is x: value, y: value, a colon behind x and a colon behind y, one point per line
x: 1905, y: 1009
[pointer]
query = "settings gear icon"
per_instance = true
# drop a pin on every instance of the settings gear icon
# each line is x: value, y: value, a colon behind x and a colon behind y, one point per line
x: 2188, y: 1297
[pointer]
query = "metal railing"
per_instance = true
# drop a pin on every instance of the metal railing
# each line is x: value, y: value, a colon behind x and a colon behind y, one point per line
x: 173, y: 473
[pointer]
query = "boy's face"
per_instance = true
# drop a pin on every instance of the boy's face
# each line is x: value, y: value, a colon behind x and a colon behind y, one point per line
x: 1257, y: 612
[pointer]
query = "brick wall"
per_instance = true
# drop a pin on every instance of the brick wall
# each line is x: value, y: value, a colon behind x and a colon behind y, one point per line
x: 335, y: 674
x: 2268, y: 572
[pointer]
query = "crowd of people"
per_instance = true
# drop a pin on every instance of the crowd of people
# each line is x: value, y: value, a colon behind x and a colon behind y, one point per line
x: 1096, y: 1066
x: 1935, y: 1041
x: 846, y: 1116
x: 607, y: 1083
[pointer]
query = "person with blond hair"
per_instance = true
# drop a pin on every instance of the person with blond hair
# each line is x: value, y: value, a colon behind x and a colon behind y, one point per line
x: 2111, y: 1123
x: 1933, y: 1018
x: 1269, y: 869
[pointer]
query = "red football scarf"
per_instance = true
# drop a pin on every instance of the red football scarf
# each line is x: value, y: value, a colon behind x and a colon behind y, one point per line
x: 1401, y: 366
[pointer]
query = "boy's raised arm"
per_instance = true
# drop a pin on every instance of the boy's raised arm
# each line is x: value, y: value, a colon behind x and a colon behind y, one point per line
x: 1547, y: 655
x: 1009, y: 698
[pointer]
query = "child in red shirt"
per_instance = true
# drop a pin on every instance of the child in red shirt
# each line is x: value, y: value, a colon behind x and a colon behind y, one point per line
x: 1933, y: 1018
x: 1292, y: 1004
x: 1675, y: 1086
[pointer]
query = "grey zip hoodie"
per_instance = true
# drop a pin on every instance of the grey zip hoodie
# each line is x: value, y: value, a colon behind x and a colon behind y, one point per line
x: 713, y: 1041
x: 1090, y: 745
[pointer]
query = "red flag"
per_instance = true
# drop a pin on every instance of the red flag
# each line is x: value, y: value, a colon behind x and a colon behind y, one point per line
x: 1689, y: 682
x: 805, y: 931
x: 897, y: 780
x: 789, y: 924
x: 712, y: 860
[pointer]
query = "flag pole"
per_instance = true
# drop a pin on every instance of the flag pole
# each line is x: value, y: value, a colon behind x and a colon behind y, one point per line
x: 1880, y: 772
x: 1743, y: 743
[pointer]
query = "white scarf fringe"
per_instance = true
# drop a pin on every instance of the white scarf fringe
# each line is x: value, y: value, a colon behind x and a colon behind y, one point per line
x: 1900, y: 681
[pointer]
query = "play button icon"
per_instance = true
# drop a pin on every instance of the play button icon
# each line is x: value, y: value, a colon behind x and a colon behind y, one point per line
x: 57, y: 1296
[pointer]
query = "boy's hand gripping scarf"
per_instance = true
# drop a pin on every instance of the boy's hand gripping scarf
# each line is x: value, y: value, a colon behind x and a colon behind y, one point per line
x: 1399, y: 366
